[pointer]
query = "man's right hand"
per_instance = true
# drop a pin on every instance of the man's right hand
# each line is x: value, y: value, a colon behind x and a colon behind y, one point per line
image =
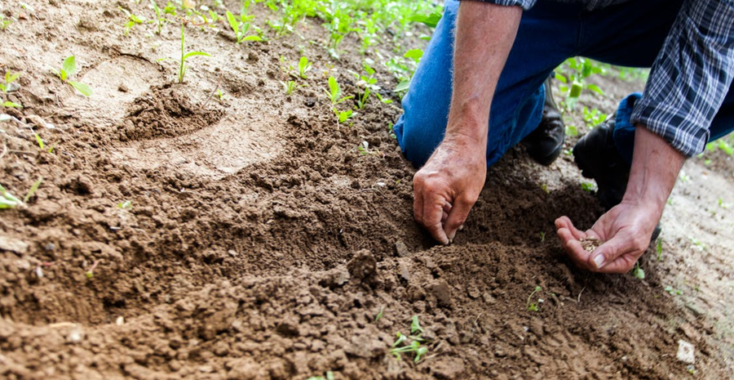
x: 448, y: 185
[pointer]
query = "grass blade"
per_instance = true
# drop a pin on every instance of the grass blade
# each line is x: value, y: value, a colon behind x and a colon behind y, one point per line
x: 33, y: 190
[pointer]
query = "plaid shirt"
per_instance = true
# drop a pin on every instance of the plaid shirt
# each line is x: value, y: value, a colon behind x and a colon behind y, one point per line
x: 691, y: 75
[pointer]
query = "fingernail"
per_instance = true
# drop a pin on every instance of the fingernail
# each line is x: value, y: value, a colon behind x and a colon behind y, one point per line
x: 452, y: 236
x: 599, y: 261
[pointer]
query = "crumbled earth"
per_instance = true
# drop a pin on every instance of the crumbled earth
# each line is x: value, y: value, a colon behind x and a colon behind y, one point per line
x: 260, y: 243
x: 589, y: 244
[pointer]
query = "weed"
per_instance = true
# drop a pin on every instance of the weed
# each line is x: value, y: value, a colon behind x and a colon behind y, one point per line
x: 9, y: 79
x: 185, y: 56
x: 304, y: 66
x: 637, y: 272
x: 68, y: 68
x: 531, y: 306
x: 241, y: 26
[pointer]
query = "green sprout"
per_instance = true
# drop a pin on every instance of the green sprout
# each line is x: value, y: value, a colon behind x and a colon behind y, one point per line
x: 572, y: 131
x: 5, y: 22
x: 185, y: 56
x: 329, y: 376
x: 580, y: 69
x: 400, y: 345
x: 8, y: 200
x: 125, y: 205
x: 379, y: 314
x: 531, y: 306
x: 9, y: 79
x: 659, y: 249
x: 291, y: 86
x: 133, y: 20
x: 637, y: 272
x: 335, y: 92
x: 41, y: 144
x: 159, y: 17
x: 588, y: 186
x: 672, y: 291
x: 542, y: 237
x: 342, y: 116
x: 240, y: 27
x: 593, y: 117
x: 68, y: 68
x: 304, y: 66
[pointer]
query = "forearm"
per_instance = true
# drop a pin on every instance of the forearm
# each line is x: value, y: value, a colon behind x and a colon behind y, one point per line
x: 655, y: 168
x: 484, y: 36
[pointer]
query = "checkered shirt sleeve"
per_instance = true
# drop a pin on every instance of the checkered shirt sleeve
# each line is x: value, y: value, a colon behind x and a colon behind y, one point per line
x: 691, y: 76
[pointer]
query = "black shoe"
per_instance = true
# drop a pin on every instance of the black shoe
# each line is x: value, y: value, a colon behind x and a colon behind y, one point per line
x: 597, y: 157
x: 545, y: 143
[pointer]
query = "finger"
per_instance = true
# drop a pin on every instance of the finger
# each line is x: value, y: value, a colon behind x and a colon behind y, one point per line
x: 446, y: 210
x: 565, y: 222
x: 620, y: 245
x: 432, y: 212
x: 457, y: 216
x: 622, y: 264
x: 418, y: 201
x: 573, y: 247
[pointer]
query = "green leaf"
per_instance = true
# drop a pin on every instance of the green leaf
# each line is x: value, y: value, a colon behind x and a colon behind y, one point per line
x: 430, y: 20
x: 233, y: 23
x: 402, y: 86
x: 595, y: 88
x: 576, y: 88
x: 33, y: 190
x: 252, y: 38
x: 415, y: 325
x: 195, y: 53
x: 69, y: 66
x: 571, y: 130
x: 334, y: 89
x: 11, y: 78
x: 561, y: 78
x: 414, y: 54
x: 39, y: 140
x: 11, y: 104
x: 81, y: 87
x: 62, y: 74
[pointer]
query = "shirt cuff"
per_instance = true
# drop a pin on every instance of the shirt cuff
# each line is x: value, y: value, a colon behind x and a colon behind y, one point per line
x: 524, y: 4
x: 673, y: 125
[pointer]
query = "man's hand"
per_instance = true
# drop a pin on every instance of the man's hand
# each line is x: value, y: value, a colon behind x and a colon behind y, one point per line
x: 626, y: 228
x: 450, y: 182
x: 448, y: 185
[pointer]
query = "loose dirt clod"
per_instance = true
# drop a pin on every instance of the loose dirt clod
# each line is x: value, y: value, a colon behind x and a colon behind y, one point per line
x: 590, y: 243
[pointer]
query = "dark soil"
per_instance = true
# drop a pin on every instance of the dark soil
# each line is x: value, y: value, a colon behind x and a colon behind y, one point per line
x: 261, y: 244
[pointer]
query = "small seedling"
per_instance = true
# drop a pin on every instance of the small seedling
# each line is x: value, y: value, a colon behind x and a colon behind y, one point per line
x: 240, y: 27
x: 185, y: 56
x: 384, y: 100
x: 68, y: 68
x: 588, y: 186
x: 90, y: 272
x: 379, y: 314
x: 160, y: 19
x: 542, y: 237
x: 659, y: 249
x: 9, y: 79
x: 723, y: 205
x: 572, y: 131
x: 125, y: 205
x: 41, y: 144
x: 593, y: 117
x: 8, y: 200
x: 400, y: 347
x: 5, y: 22
x: 133, y: 20
x: 637, y: 272
x: 531, y: 306
x: 304, y: 66
x: 342, y: 116
x: 329, y: 376
x: 291, y: 86
x: 33, y: 190
x: 335, y: 92
x: 672, y: 291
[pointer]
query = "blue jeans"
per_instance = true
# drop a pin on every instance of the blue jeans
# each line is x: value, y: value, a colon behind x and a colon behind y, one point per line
x: 630, y: 34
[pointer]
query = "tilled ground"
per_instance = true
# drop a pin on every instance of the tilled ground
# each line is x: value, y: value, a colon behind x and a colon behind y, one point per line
x: 262, y: 244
